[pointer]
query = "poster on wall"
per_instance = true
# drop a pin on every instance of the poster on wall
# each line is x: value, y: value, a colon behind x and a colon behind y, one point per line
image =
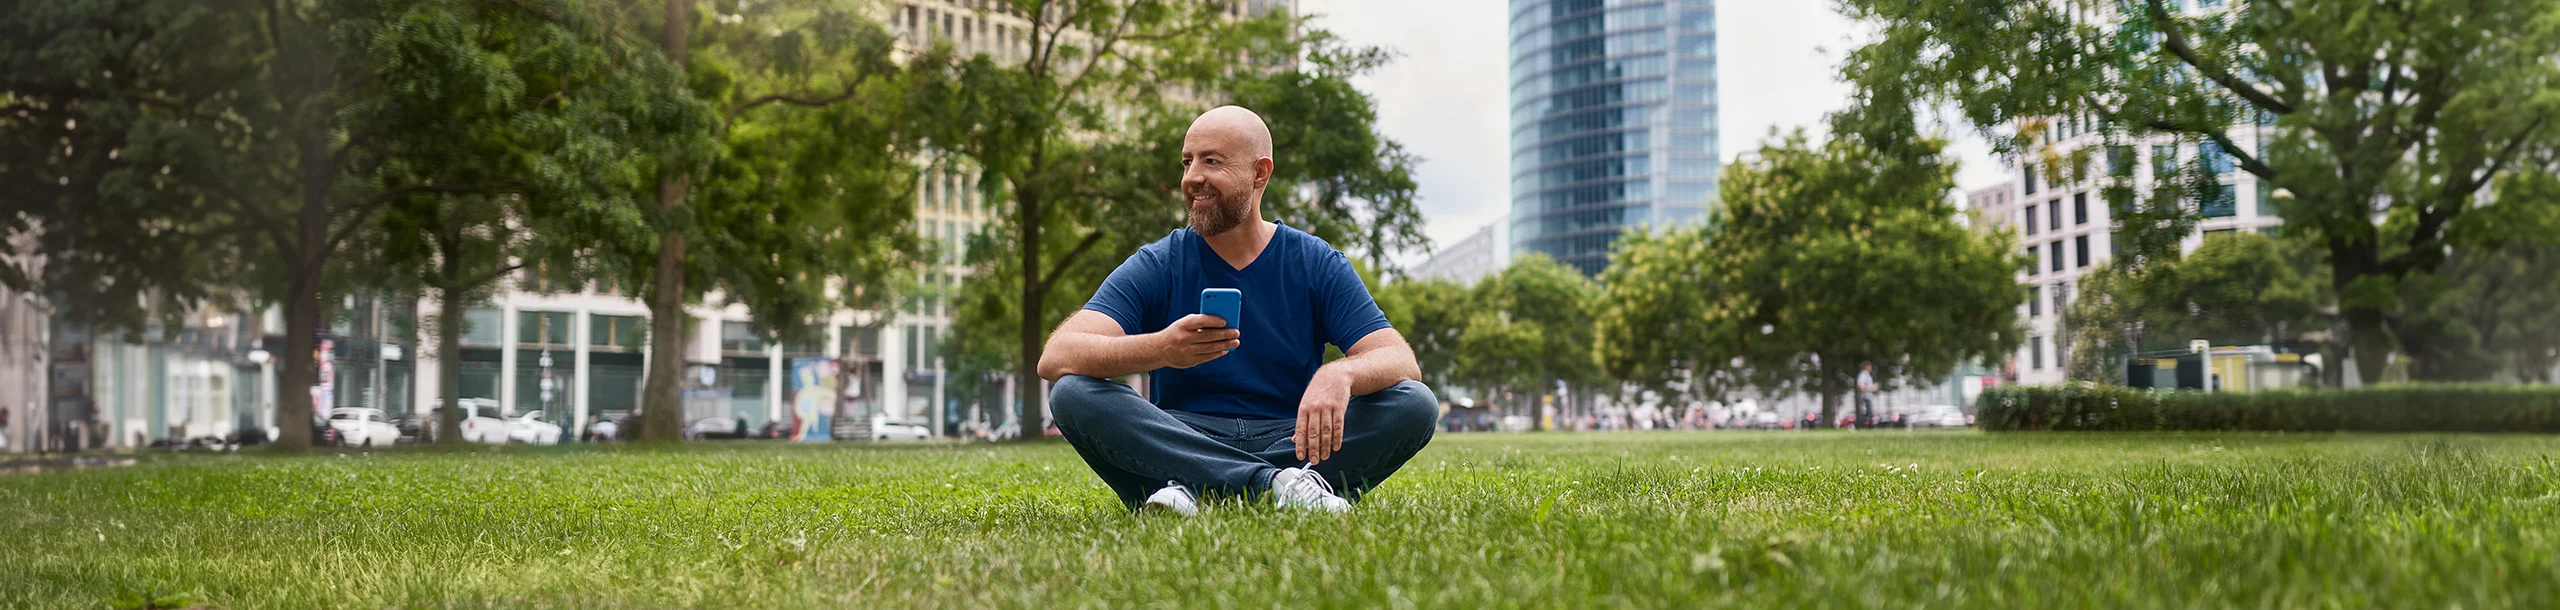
x: 813, y: 399
x: 324, y: 386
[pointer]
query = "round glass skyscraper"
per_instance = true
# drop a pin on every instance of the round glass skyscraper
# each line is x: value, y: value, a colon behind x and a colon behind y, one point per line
x: 1613, y: 121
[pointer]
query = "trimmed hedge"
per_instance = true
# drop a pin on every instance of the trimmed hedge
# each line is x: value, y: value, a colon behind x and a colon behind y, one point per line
x: 2392, y: 408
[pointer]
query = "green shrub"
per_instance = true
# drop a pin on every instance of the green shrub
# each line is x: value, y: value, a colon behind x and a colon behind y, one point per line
x: 2399, y: 408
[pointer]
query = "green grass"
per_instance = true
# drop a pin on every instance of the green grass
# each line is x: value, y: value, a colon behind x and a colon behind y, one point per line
x: 1725, y: 519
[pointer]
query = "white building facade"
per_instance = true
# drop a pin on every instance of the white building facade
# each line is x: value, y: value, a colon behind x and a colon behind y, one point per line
x: 1480, y: 254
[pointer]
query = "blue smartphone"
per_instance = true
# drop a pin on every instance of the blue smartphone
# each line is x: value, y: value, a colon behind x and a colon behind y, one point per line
x: 1225, y: 303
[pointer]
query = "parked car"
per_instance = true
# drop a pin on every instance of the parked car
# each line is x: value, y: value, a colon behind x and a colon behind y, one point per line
x: 531, y: 430
x: 479, y: 426
x: 414, y: 428
x: 884, y: 430
x: 363, y: 427
x: 716, y: 427
x: 1940, y: 416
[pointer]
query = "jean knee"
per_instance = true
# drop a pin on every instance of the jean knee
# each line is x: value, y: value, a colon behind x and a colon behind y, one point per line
x: 1409, y: 405
x: 1073, y: 397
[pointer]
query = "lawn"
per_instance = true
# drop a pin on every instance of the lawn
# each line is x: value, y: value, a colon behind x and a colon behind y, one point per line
x: 1723, y: 519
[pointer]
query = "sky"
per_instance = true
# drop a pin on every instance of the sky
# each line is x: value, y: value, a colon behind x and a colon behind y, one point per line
x: 1447, y: 96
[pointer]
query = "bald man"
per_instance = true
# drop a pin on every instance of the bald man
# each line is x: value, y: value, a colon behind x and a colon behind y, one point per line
x: 1247, y: 407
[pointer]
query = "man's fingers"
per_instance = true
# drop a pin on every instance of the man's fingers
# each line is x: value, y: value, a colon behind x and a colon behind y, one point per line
x: 1298, y: 438
x: 1337, y: 432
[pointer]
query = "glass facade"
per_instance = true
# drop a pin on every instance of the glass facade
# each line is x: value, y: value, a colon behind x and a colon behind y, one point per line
x: 1613, y: 121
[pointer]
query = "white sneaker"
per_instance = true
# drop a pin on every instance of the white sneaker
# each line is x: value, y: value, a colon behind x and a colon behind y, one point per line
x: 1174, y: 498
x: 1303, y: 488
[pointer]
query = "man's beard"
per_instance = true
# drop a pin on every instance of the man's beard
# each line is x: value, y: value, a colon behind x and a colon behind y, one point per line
x: 1224, y: 213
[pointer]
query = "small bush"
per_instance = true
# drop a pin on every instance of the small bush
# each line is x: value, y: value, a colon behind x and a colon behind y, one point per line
x: 2396, y: 408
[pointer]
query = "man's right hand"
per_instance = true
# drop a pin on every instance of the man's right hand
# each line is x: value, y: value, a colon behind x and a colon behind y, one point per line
x: 1195, y: 339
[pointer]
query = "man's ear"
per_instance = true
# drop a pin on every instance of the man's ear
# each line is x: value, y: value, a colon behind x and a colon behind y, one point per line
x: 1262, y: 168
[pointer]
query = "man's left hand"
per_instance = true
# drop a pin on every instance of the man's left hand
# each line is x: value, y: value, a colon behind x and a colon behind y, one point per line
x: 1320, y: 418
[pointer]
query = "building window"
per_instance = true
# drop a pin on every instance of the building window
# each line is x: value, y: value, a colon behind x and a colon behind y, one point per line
x: 2029, y: 175
x: 617, y: 332
x: 2214, y: 158
x: 740, y: 337
x: 2080, y: 245
x: 2035, y: 302
x: 860, y: 342
x: 2053, y: 214
x: 2035, y: 347
x: 2031, y: 220
x: 2080, y: 208
x: 481, y: 327
x: 2219, y: 200
x: 2164, y: 160
x: 542, y: 328
x: 2035, y: 264
x: 2057, y: 256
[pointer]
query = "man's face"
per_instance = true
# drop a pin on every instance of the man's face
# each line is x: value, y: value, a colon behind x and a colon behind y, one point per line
x: 1221, y: 179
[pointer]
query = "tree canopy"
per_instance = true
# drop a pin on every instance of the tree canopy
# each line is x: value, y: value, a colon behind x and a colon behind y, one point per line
x: 1812, y: 267
x: 2380, y: 122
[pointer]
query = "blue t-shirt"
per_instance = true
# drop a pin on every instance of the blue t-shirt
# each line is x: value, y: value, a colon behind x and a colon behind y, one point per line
x: 1299, y: 294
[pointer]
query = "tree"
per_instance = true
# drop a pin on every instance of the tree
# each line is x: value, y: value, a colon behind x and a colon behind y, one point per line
x: 1528, y: 329
x: 801, y: 203
x: 2409, y: 108
x: 2242, y: 289
x: 1661, y: 323
x: 1817, y: 264
x: 279, y: 130
x: 1432, y: 316
x: 2493, y: 313
x: 1080, y: 137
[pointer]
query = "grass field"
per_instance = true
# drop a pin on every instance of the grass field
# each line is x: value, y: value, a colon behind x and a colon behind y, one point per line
x: 1725, y: 519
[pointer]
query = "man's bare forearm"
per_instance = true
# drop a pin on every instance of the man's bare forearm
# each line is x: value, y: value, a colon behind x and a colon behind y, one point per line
x: 1374, y: 370
x: 1091, y: 355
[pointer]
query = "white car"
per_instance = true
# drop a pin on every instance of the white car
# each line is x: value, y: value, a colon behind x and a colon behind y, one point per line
x: 363, y: 427
x: 884, y: 430
x: 714, y: 427
x: 480, y: 427
x: 1940, y: 416
x: 531, y: 430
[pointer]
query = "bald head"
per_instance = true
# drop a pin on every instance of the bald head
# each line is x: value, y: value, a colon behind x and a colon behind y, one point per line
x: 1237, y: 123
x: 1226, y: 162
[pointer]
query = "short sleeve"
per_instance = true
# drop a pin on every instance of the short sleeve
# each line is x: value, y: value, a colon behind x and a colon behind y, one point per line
x: 1126, y: 294
x: 1350, y: 314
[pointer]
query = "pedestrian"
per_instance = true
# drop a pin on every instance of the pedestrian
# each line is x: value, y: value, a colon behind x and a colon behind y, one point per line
x: 1866, y: 394
x: 1248, y: 406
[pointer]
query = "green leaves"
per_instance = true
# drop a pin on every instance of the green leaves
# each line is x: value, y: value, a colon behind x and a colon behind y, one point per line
x: 1815, y: 266
x: 2384, y: 121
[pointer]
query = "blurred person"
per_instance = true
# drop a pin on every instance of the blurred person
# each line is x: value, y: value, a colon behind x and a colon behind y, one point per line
x: 1241, y: 407
x: 1866, y: 417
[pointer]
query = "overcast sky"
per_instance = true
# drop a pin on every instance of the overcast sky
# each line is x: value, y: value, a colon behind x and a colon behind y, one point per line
x: 1447, y: 98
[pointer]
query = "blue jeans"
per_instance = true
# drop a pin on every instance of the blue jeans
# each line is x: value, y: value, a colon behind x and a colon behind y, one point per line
x: 1138, y: 447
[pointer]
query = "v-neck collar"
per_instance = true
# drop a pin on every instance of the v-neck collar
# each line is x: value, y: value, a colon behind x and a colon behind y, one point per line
x: 1200, y: 244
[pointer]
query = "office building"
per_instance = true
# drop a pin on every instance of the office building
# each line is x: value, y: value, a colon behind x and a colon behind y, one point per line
x: 1613, y: 121
x: 1480, y: 254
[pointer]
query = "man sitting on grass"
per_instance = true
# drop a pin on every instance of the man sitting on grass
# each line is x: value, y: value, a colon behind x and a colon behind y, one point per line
x: 1241, y: 407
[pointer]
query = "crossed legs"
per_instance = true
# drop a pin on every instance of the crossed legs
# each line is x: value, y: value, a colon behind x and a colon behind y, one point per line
x: 1137, y: 447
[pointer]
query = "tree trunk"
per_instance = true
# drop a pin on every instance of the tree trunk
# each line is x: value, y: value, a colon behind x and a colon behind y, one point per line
x: 1035, y: 293
x: 1830, y: 411
x: 662, y: 399
x: 301, y: 367
x: 2372, y: 343
x: 449, y: 354
x: 309, y: 258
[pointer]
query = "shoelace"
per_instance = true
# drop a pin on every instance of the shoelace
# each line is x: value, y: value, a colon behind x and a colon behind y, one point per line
x: 1318, y: 480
